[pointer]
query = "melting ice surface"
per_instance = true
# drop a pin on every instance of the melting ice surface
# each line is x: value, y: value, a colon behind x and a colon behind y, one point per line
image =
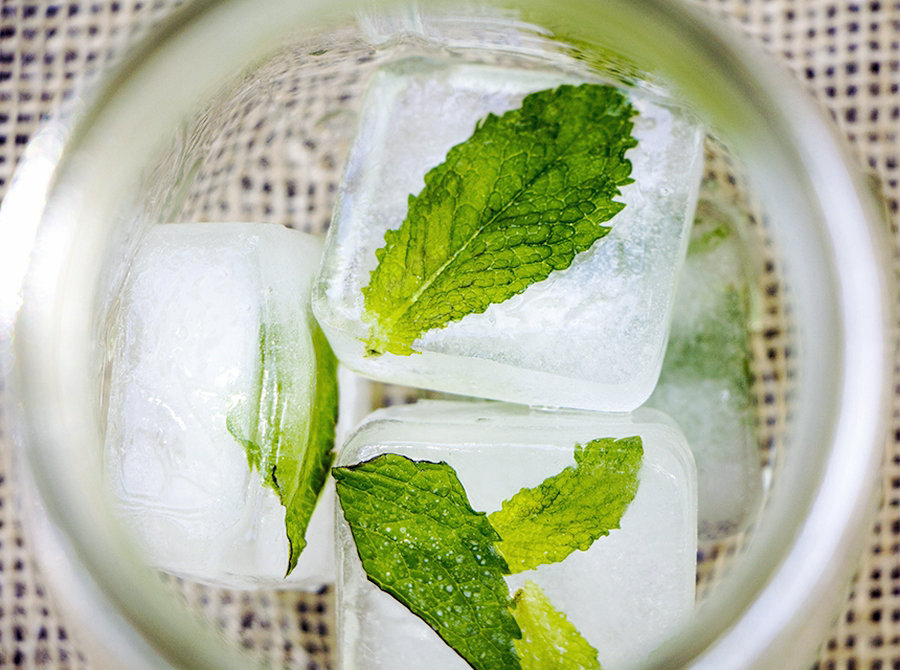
x: 626, y: 594
x: 185, y: 348
x: 591, y: 336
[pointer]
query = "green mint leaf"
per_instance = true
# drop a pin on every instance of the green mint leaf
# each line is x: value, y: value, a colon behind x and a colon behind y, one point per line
x: 420, y: 540
x: 301, y: 475
x: 549, y: 641
x: 571, y: 509
x: 516, y: 201
x: 287, y: 431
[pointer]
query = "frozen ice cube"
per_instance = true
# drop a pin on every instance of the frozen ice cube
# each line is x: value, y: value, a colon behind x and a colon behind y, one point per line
x: 185, y: 346
x: 626, y: 594
x: 590, y: 336
x: 705, y: 383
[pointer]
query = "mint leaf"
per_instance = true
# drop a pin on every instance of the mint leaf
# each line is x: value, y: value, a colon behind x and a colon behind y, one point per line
x: 549, y: 641
x: 571, y: 509
x: 287, y: 425
x: 420, y: 540
x: 517, y: 200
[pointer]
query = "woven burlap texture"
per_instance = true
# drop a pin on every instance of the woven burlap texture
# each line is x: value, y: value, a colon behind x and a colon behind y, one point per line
x: 847, y: 54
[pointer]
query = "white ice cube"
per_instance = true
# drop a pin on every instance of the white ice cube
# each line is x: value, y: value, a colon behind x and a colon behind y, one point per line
x: 705, y: 382
x: 626, y: 595
x: 185, y: 350
x: 590, y: 336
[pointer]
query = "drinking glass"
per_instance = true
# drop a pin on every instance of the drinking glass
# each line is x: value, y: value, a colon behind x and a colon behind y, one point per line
x: 242, y: 110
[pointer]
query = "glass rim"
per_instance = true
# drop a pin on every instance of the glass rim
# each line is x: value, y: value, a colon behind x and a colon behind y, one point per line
x: 54, y: 320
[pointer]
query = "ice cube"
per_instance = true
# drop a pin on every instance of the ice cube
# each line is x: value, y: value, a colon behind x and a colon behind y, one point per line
x: 705, y: 382
x: 591, y: 336
x: 626, y: 595
x: 185, y: 349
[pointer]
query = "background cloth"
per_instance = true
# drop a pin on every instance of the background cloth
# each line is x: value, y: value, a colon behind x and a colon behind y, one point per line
x: 846, y: 53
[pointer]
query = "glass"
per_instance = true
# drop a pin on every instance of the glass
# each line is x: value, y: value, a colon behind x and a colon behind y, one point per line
x: 188, y: 130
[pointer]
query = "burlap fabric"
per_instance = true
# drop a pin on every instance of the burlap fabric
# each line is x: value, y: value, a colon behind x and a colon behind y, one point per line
x: 846, y: 53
